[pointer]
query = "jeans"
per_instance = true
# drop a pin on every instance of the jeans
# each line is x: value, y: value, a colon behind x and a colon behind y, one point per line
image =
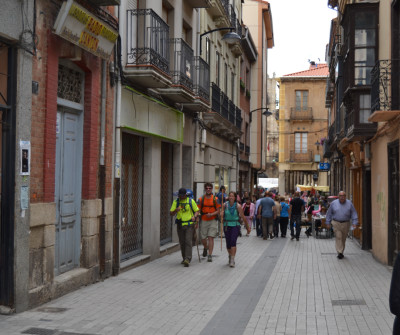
x: 296, y: 219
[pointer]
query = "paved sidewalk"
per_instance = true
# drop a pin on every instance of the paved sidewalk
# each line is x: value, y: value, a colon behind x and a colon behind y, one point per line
x: 277, y: 287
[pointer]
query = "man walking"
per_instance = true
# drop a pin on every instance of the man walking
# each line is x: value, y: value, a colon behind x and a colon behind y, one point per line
x: 209, y: 208
x: 340, y: 213
x: 267, y: 214
x: 297, y: 206
x: 186, y: 212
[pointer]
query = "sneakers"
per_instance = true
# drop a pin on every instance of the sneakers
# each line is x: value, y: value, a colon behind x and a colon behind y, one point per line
x: 232, y: 262
x: 186, y: 263
x: 292, y: 238
x: 204, y: 252
x: 209, y: 259
x: 340, y: 255
x: 271, y: 237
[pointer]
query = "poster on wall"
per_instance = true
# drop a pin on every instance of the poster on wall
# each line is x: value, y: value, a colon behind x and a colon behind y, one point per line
x: 25, y: 158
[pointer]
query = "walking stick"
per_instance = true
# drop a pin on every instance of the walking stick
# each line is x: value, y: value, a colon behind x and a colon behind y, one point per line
x: 197, y: 243
x: 222, y: 228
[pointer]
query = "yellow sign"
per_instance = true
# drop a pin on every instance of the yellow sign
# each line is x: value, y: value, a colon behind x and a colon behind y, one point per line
x: 77, y: 25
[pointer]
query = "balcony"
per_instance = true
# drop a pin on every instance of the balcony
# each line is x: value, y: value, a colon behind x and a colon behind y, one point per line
x: 202, y: 80
x: 327, y: 151
x: 199, y: 3
x: 219, y: 10
x: 357, y: 127
x: 329, y: 92
x: 247, y: 150
x: 241, y: 146
x: 148, y: 49
x: 106, y: 2
x: 303, y: 114
x: 238, y: 118
x: 384, y: 105
x: 301, y: 157
x: 182, y: 72
x: 224, y: 118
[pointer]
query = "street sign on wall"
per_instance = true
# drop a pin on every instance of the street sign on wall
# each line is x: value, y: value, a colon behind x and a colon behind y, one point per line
x: 324, y: 166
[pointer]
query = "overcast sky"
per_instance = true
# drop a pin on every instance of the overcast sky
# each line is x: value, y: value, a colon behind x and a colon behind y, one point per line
x: 301, y: 32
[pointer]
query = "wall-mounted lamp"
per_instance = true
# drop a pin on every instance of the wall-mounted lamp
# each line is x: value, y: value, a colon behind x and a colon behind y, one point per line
x: 266, y: 112
x: 230, y: 37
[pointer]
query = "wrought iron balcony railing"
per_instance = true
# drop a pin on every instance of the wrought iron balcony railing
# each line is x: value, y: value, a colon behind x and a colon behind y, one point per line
x: 304, y: 113
x: 381, y: 85
x: 182, y: 70
x: 202, y: 78
x: 301, y: 157
x: 224, y: 105
x: 232, y: 16
x: 239, y: 29
x: 215, y: 98
x: 238, y: 119
x: 232, y: 112
x: 241, y: 146
x: 147, y: 39
x: 225, y: 4
x: 247, y: 150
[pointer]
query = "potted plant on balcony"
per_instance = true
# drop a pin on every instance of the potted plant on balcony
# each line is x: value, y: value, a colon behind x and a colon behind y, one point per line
x: 242, y: 85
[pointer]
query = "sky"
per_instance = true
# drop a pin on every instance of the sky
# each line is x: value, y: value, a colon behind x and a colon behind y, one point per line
x: 301, y: 32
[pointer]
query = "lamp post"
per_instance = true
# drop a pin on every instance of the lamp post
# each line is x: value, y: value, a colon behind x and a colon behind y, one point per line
x: 230, y: 37
x: 266, y: 113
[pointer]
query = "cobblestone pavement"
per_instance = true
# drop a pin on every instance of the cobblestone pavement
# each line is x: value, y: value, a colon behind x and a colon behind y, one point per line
x: 277, y: 287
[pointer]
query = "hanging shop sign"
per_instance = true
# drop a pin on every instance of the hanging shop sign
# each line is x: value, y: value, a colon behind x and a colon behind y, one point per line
x: 77, y: 25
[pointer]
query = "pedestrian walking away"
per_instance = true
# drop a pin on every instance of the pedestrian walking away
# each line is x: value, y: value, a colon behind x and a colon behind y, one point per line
x: 284, y: 219
x: 394, y: 297
x: 297, y: 206
x: 209, y: 209
x: 339, y: 214
x: 278, y: 216
x: 186, y: 212
x: 267, y: 214
x: 231, y: 211
x: 248, y: 211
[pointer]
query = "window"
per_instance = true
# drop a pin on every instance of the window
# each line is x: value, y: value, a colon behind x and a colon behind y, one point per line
x: 217, y: 69
x: 300, y: 143
x: 365, y: 107
x: 226, y: 79
x: 232, y: 86
x: 208, y: 50
x: 301, y: 100
x: 364, y: 47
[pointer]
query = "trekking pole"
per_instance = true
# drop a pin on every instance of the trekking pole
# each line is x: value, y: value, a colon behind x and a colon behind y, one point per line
x: 222, y: 228
x: 197, y: 243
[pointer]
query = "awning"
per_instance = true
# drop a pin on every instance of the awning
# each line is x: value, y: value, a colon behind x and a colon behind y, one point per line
x: 309, y: 188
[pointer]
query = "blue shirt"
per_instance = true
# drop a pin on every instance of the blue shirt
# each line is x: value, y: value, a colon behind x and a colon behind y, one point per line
x: 284, y: 210
x: 267, y: 203
x: 342, y: 212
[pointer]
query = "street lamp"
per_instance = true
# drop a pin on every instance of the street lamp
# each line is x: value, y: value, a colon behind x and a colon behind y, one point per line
x: 230, y: 37
x: 266, y: 113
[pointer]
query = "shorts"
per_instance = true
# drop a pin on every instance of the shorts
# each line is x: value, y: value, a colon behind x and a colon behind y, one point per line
x: 208, y: 229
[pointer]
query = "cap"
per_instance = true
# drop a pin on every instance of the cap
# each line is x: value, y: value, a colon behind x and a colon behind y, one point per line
x: 182, y: 191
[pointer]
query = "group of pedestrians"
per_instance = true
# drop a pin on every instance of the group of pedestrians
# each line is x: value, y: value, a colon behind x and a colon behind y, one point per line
x: 213, y: 211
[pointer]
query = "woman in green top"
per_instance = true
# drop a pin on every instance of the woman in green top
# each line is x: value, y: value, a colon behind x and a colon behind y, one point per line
x: 230, y: 213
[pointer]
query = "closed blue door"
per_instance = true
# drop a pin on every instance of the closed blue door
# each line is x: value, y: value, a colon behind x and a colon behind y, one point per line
x: 68, y: 189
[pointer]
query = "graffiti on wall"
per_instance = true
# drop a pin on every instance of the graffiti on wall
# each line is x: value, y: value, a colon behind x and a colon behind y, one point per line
x: 380, y: 199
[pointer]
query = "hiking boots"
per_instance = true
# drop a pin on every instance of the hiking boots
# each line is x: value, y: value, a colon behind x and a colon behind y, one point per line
x: 209, y: 259
x: 186, y: 263
x: 204, y: 252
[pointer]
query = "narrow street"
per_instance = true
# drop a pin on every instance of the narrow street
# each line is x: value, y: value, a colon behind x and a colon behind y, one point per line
x: 277, y: 287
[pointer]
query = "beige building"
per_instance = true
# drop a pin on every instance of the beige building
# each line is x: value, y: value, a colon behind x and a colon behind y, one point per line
x: 364, y: 131
x: 257, y: 15
x: 303, y: 122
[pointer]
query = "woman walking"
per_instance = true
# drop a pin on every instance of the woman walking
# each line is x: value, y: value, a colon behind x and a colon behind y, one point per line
x: 231, y: 211
x: 248, y: 211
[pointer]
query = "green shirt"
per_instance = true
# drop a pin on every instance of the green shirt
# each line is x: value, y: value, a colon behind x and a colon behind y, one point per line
x: 185, y: 214
x: 231, y: 220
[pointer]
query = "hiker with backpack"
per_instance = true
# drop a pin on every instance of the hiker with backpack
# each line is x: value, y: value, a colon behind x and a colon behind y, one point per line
x: 186, y: 212
x: 209, y: 209
x: 231, y: 212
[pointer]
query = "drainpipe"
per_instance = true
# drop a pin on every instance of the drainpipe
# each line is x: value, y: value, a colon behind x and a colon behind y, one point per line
x: 102, y: 170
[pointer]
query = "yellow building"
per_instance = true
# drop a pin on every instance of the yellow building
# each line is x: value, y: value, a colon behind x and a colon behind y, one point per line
x: 303, y: 124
